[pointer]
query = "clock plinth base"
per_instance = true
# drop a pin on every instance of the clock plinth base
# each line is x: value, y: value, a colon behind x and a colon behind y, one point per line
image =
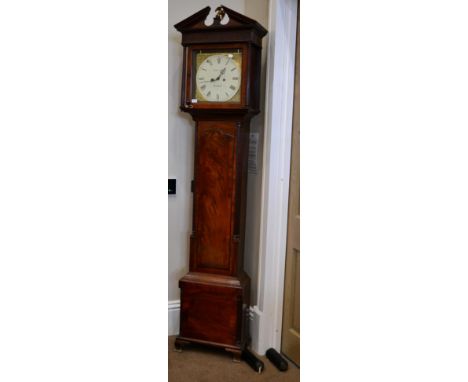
x: 214, y: 311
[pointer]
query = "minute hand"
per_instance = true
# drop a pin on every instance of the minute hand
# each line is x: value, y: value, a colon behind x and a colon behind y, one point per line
x: 220, y: 74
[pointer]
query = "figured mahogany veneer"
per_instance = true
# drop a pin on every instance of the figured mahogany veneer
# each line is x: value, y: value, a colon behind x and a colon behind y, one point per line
x: 215, y: 294
x: 219, y: 195
x: 214, y: 311
x: 214, y: 195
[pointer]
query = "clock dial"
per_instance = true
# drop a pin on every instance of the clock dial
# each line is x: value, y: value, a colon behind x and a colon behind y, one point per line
x: 218, y: 78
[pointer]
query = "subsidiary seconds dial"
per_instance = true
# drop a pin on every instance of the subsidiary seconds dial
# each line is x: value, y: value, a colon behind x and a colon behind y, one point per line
x: 218, y: 78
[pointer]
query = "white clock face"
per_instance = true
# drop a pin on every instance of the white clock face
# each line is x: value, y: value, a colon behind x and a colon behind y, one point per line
x: 218, y: 78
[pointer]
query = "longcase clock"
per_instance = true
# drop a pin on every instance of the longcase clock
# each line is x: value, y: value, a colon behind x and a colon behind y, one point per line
x: 220, y: 89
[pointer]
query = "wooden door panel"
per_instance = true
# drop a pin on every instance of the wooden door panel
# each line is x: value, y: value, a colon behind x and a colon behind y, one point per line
x: 214, y: 194
x: 295, y: 295
x: 290, y: 340
x: 290, y: 345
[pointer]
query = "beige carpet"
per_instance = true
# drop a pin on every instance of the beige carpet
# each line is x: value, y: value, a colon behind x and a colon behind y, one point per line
x: 205, y: 364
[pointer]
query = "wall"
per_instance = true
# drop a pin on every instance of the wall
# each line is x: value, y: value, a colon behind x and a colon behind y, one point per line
x: 180, y: 141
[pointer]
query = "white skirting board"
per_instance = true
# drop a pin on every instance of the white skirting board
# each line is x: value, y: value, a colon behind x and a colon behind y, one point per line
x: 174, y: 315
x: 255, y: 317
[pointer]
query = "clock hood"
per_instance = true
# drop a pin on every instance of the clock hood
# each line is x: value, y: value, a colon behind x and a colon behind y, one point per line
x: 193, y: 27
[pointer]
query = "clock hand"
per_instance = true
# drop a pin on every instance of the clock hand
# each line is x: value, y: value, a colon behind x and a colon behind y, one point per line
x: 220, y: 74
x: 217, y: 78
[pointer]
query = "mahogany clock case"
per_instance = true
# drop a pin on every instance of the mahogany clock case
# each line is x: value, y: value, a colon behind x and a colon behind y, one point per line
x: 215, y: 294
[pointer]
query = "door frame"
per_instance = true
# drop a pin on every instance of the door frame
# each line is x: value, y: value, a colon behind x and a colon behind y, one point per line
x: 266, y: 316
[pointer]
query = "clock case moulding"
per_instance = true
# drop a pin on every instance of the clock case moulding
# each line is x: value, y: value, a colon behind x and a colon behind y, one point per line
x: 215, y: 293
